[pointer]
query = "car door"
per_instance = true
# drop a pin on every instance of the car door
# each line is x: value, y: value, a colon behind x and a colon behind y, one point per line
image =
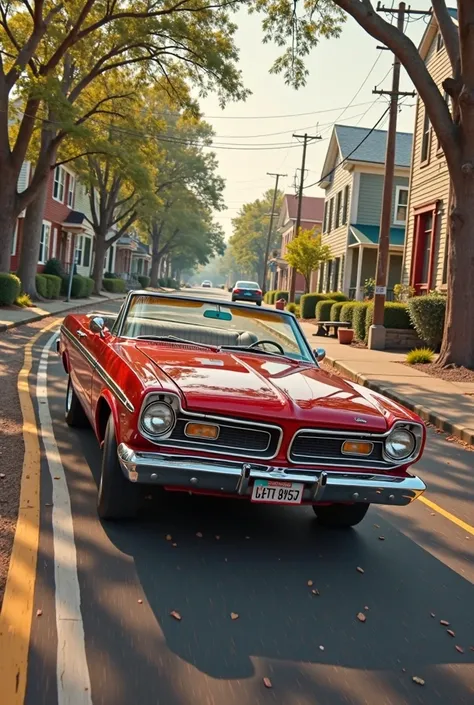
x: 81, y: 360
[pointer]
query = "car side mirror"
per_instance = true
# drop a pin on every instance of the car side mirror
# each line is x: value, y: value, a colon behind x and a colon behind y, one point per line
x: 319, y: 354
x: 97, y: 325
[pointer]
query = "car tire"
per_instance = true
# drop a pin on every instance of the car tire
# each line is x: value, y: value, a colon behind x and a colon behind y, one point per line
x: 118, y: 498
x: 74, y: 413
x: 340, y: 516
x: 259, y: 303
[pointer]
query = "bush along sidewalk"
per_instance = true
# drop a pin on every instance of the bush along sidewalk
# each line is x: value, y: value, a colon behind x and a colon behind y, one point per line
x: 427, y: 317
x: 10, y: 288
x: 323, y: 309
x: 114, y: 286
x: 395, y: 316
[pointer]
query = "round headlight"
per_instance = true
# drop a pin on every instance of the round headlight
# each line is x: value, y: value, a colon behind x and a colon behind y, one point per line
x: 158, y: 418
x: 400, y: 444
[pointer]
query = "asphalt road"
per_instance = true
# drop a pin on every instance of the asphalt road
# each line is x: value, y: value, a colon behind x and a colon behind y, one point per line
x: 233, y: 557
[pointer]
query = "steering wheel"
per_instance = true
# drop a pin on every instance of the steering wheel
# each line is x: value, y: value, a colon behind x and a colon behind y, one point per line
x: 267, y: 342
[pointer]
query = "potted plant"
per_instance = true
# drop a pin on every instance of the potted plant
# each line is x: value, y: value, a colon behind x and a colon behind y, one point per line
x: 345, y: 335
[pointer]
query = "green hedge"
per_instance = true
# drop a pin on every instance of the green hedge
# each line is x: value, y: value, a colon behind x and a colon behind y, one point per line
x: 292, y: 308
x: 54, y: 266
x: 395, y: 316
x: 308, y: 304
x: 114, y: 286
x: 48, y: 285
x: 88, y: 287
x: 10, y: 287
x: 323, y: 310
x: 110, y: 275
x: 282, y: 295
x: 81, y: 286
x: 336, y: 296
x: 358, y: 320
x: 336, y: 309
x: 269, y: 297
x: 161, y: 281
x: 144, y: 281
x: 347, y: 311
x: 427, y: 315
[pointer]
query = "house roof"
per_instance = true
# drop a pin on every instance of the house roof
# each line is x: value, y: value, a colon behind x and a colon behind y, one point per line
x: 312, y: 208
x: 369, y: 235
x: 432, y: 30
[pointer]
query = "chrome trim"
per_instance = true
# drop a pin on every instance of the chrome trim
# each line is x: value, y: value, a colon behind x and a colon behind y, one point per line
x: 214, y: 425
x: 390, y: 464
x: 232, y: 477
x: 109, y: 381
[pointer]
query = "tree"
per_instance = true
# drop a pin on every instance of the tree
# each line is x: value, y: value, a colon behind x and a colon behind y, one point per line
x: 306, y: 253
x: 250, y: 230
x: 52, y: 54
x: 454, y: 128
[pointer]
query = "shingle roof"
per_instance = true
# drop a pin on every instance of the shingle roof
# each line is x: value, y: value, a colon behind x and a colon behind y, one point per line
x: 312, y: 208
x: 373, y: 148
x: 75, y: 218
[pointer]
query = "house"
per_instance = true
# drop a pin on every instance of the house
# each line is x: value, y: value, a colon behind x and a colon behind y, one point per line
x: 425, y: 259
x: 133, y: 257
x: 311, y: 218
x: 352, y: 177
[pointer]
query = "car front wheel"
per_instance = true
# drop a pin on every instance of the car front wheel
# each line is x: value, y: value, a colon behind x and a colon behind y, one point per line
x: 74, y: 413
x: 340, y: 516
x: 118, y: 497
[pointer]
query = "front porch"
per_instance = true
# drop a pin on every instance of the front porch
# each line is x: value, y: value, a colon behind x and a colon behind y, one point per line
x: 361, y: 259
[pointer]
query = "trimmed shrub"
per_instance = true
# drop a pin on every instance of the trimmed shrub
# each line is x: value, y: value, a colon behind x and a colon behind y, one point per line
x: 53, y: 266
x: 336, y: 296
x: 162, y: 281
x: 347, y: 311
x: 114, y: 286
x: 110, y: 275
x: 42, y: 286
x: 145, y: 281
x: 336, y: 309
x: 298, y: 298
x: 293, y: 308
x: 358, y: 320
x: 427, y: 315
x: 419, y: 356
x: 323, y: 310
x: 395, y: 316
x: 272, y: 297
x: 10, y: 287
x: 78, y: 287
x: 308, y: 304
x: 88, y: 286
x: 269, y: 296
x: 53, y: 285
x: 281, y: 295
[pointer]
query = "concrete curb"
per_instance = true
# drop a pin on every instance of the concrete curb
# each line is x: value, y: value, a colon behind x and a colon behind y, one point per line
x: 40, y: 316
x: 428, y: 415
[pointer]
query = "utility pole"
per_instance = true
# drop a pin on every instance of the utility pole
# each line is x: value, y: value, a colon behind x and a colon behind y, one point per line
x: 377, y: 329
x: 306, y: 138
x: 269, y: 236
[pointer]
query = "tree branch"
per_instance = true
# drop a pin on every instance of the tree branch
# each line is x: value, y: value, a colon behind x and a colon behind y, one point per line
x: 449, y: 33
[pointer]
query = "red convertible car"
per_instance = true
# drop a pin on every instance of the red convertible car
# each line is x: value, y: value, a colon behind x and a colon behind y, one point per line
x: 225, y: 399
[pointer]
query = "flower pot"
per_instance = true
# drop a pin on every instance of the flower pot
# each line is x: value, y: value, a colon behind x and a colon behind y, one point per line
x: 345, y: 335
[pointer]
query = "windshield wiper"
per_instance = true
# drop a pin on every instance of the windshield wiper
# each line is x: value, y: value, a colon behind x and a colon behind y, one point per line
x: 175, y: 339
x: 247, y: 348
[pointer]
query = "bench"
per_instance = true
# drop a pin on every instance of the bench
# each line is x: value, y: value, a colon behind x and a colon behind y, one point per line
x: 324, y: 327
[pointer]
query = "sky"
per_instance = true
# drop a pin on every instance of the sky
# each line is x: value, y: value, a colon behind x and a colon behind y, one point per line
x: 338, y: 68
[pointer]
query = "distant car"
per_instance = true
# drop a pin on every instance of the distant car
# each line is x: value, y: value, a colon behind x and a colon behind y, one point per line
x: 207, y: 284
x: 247, y: 291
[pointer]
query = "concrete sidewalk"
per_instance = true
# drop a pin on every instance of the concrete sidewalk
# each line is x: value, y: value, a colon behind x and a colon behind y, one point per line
x: 447, y: 405
x: 13, y: 317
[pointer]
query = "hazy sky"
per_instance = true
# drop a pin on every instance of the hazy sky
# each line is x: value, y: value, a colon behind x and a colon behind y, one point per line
x: 337, y: 70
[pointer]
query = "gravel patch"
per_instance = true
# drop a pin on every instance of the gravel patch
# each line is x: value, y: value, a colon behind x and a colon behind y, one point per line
x: 449, y: 374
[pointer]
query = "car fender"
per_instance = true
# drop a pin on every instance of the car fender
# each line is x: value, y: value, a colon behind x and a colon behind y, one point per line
x: 106, y: 404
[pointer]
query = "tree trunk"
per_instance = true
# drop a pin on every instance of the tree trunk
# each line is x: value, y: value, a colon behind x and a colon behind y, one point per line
x: 8, y: 216
x: 100, y: 252
x: 31, y: 242
x: 458, y: 339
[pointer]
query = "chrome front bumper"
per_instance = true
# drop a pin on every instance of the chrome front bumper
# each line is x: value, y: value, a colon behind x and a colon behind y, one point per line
x: 228, y: 477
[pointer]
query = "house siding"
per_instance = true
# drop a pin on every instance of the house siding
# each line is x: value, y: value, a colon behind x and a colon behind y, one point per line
x: 370, y: 197
x: 337, y: 238
x: 429, y: 181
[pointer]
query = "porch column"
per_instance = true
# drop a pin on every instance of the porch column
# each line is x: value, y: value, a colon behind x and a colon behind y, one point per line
x: 359, y: 292
x: 346, y: 282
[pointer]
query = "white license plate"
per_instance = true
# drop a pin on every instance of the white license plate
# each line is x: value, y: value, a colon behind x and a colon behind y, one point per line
x: 276, y: 492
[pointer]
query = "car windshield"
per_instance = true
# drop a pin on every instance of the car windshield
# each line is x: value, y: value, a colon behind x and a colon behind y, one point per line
x: 180, y: 320
x: 247, y: 285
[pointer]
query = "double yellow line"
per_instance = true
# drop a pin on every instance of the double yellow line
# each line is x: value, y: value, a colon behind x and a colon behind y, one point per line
x: 18, y: 600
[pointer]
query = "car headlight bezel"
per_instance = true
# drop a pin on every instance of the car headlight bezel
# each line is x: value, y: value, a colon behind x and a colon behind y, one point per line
x: 410, y: 440
x: 168, y: 412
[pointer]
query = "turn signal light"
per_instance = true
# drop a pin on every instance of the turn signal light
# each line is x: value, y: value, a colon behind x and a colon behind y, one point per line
x: 357, y: 448
x: 202, y: 430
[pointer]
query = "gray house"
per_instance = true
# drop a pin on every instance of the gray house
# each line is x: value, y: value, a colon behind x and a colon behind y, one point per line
x: 352, y: 178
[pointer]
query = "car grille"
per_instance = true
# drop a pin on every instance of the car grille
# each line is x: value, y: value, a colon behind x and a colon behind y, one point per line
x: 314, y: 449
x: 233, y: 439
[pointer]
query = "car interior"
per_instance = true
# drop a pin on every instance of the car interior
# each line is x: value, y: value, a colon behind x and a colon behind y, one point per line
x: 197, y: 334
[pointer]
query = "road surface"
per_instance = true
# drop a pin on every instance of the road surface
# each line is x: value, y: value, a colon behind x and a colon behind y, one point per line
x: 106, y: 591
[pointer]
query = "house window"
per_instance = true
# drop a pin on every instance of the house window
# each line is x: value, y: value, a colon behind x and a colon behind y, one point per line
x: 335, y: 283
x: 44, y: 243
x: 401, y: 206
x: 58, y: 184
x: 425, y: 223
x: 331, y: 209
x: 425, y: 144
x: 70, y: 191
x: 325, y: 217
x: 15, y: 239
x: 87, y: 252
x: 338, y: 209
x: 79, y: 249
x: 329, y: 268
x: 439, y: 42
x: 83, y: 251
x: 345, y: 208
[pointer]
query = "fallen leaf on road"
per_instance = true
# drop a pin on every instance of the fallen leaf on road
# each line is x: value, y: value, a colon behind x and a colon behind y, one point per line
x: 217, y: 538
x: 168, y: 537
x: 381, y: 538
x: 48, y: 504
x: 176, y: 615
x: 450, y: 438
x: 234, y: 615
x: 267, y: 683
x: 460, y: 649
x: 471, y: 648
x: 361, y: 617
x: 404, y: 670
x: 39, y: 613
x: 366, y: 607
x: 140, y: 602
x: 321, y: 648
x: 174, y: 545
x: 315, y: 592
x: 360, y: 570
x: 2, y: 475
x: 433, y: 514
x: 247, y: 537
x: 418, y: 680
x: 199, y: 535
x: 444, y: 623
x: 450, y: 632
x: 57, y: 478
x: 310, y: 582
x: 376, y: 526
x: 432, y: 614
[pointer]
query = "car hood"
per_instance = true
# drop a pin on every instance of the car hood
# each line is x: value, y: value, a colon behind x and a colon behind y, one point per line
x: 256, y: 386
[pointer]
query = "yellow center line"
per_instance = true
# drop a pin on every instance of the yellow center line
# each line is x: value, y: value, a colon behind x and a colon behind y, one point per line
x: 447, y: 515
x: 18, y: 600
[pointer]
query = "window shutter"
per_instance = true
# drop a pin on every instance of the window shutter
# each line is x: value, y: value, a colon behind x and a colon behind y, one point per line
x: 87, y: 252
